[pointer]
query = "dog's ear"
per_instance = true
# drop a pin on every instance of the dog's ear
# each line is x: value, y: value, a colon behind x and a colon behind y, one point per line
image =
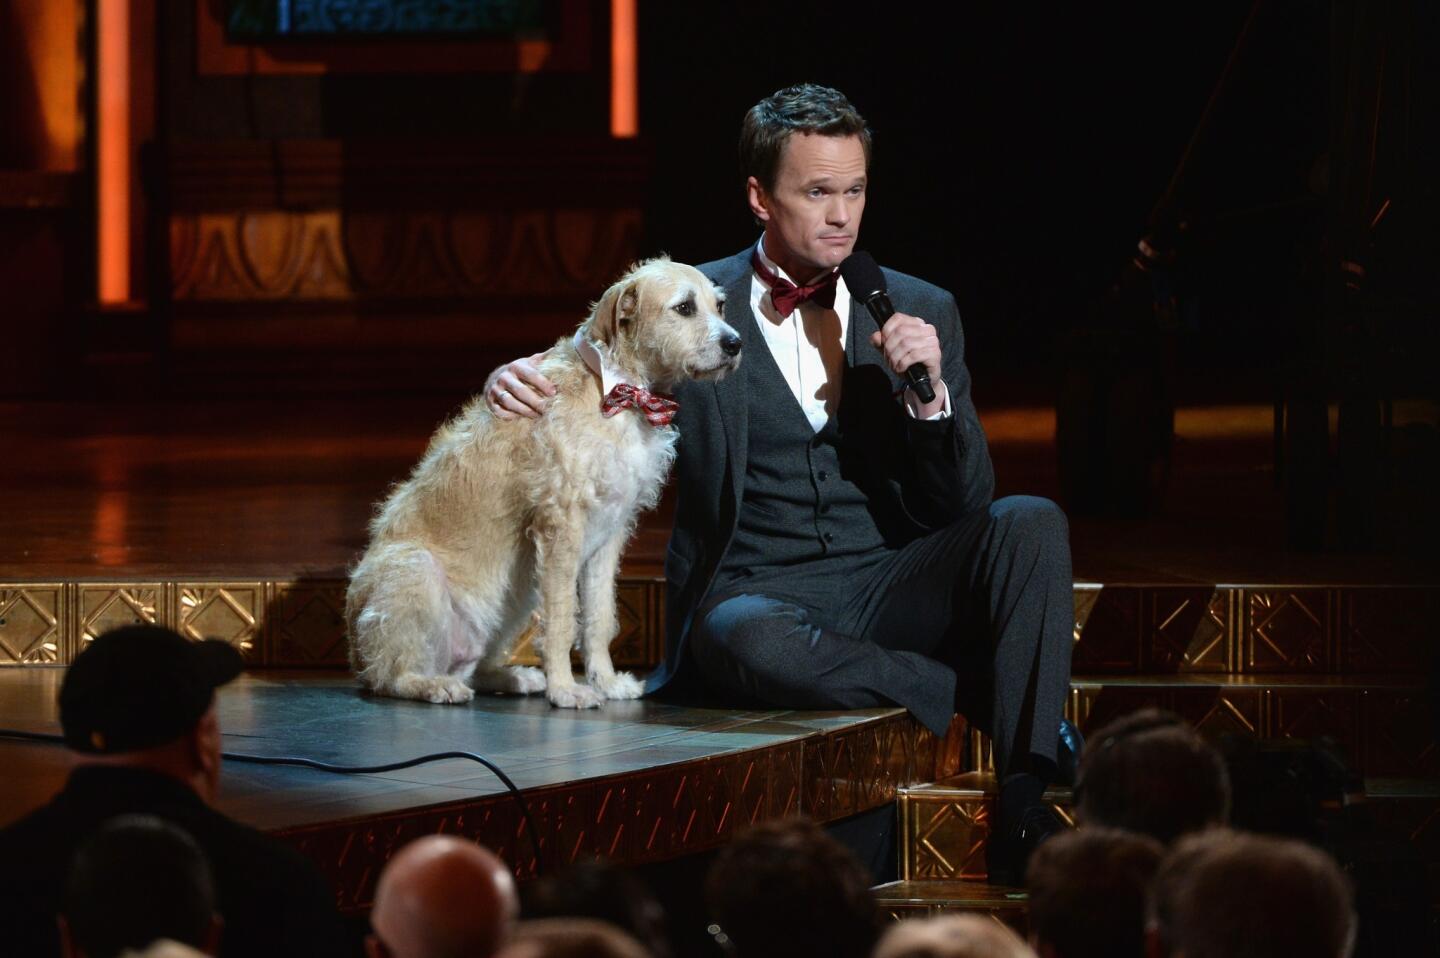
x: 615, y: 311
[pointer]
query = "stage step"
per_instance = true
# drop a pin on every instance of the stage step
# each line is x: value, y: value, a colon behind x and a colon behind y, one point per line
x: 1383, y: 723
x: 944, y: 825
x: 919, y: 899
x: 1257, y: 629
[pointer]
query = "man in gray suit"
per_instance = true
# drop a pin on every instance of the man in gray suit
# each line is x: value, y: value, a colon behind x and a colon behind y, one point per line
x: 835, y: 541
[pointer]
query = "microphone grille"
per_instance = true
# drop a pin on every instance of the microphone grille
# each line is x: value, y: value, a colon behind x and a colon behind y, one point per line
x: 862, y: 275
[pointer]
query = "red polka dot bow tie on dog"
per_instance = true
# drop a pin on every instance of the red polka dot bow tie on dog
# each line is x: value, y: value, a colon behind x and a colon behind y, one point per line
x: 786, y: 295
x: 657, y: 408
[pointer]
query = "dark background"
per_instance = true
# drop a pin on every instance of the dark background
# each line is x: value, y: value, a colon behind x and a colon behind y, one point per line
x: 1019, y: 149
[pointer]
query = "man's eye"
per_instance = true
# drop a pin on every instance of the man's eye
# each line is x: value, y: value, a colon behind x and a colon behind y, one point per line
x: 686, y: 308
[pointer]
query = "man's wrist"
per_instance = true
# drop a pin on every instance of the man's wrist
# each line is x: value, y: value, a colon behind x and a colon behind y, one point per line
x: 939, y: 409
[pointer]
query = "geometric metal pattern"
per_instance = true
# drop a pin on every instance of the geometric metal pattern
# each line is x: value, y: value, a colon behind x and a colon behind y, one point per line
x: 108, y: 606
x: 1388, y: 630
x: 1191, y: 630
x: 32, y: 624
x: 1119, y: 630
x: 229, y: 612
x: 1383, y: 727
x: 307, y: 625
x: 944, y: 827
x: 1288, y: 630
x: 1108, y: 629
x: 646, y: 816
x: 274, y: 623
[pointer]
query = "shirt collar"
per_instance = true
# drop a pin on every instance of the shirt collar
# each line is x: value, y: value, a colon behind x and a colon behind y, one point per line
x: 596, y: 357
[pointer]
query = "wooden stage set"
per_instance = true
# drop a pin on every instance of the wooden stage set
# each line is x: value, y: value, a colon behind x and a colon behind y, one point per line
x: 238, y: 519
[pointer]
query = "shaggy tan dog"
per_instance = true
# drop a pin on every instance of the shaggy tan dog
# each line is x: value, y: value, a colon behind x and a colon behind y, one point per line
x: 503, y: 517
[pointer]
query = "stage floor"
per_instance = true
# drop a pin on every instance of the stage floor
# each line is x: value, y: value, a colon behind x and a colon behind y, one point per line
x: 639, y: 781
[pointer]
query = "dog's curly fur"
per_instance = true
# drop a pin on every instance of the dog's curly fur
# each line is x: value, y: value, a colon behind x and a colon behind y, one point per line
x: 504, y: 517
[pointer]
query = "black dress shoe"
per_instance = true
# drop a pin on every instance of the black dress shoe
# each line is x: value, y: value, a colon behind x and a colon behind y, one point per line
x: 1008, y: 851
x: 1067, y: 755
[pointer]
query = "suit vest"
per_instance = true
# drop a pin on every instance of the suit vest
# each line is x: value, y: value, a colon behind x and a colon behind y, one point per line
x: 801, y: 504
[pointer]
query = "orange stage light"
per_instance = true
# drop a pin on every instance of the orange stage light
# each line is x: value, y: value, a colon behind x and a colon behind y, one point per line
x: 112, y: 122
x: 624, y: 83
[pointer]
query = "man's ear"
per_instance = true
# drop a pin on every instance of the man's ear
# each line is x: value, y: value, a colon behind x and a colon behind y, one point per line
x: 206, y: 746
x: 615, y: 311
x: 759, y: 200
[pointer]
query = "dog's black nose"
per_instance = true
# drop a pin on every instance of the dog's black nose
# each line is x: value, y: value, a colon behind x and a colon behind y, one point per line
x: 730, y: 343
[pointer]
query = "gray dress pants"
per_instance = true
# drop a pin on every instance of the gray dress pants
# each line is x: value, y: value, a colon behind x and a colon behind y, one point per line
x: 976, y: 617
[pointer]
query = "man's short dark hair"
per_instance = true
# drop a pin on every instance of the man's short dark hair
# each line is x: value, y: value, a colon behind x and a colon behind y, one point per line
x: 136, y: 880
x: 1087, y: 891
x: 785, y: 888
x: 1228, y: 894
x: 1152, y: 773
x: 805, y: 108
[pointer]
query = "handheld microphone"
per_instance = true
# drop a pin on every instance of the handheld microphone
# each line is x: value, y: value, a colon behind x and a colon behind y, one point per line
x: 866, y: 283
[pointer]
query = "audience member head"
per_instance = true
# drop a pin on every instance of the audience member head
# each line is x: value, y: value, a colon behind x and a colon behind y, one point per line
x: 605, y: 891
x: 1228, y: 894
x: 137, y: 880
x: 442, y: 897
x: 952, y: 936
x: 571, y: 938
x: 1087, y: 893
x: 805, y: 108
x: 144, y: 695
x: 785, y: 888
x: 1152, y: 773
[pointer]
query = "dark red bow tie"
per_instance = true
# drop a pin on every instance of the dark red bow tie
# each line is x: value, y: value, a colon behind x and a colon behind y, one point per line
x: 657, y: 408
x: 786, y: 295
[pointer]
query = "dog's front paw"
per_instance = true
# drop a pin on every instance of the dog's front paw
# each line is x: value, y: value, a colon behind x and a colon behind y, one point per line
x: 440, y: 689
x: 618, y: 685
x: 574, y: 697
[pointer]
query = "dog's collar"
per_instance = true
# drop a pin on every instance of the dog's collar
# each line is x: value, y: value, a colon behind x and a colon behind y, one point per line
x: 593, y: 354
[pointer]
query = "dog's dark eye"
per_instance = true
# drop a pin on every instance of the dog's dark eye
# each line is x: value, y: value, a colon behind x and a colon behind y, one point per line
x: 686, y: 308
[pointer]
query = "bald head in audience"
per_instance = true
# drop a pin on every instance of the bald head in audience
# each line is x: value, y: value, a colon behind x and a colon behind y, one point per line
x: 442, y: 897
x: 951, y: 936
x: 1228, y: 894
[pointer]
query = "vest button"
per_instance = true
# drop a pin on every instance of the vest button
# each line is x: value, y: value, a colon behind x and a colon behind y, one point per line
x: 829, y: 537
x: 822, y: 475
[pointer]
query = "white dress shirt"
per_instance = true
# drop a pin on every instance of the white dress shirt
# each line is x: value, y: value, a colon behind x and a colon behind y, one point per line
x: 809, y: 346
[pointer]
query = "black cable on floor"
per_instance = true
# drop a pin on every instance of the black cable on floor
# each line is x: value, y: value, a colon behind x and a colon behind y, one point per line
x: 349, y: 770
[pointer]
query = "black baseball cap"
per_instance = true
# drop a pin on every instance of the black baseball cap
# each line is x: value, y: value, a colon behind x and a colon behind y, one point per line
x: 139, y: 686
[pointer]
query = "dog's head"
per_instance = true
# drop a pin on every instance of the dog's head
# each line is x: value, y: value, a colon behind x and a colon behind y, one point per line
x: 663, y: 322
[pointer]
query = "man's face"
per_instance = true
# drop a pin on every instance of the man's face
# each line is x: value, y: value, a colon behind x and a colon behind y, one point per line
x: 812, y: 217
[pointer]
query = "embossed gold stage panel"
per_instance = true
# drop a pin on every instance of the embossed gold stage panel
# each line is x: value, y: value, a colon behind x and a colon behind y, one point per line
x: 635, y: 781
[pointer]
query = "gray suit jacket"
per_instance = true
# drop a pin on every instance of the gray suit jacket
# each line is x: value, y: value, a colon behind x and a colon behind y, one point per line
x: 928, y: 473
